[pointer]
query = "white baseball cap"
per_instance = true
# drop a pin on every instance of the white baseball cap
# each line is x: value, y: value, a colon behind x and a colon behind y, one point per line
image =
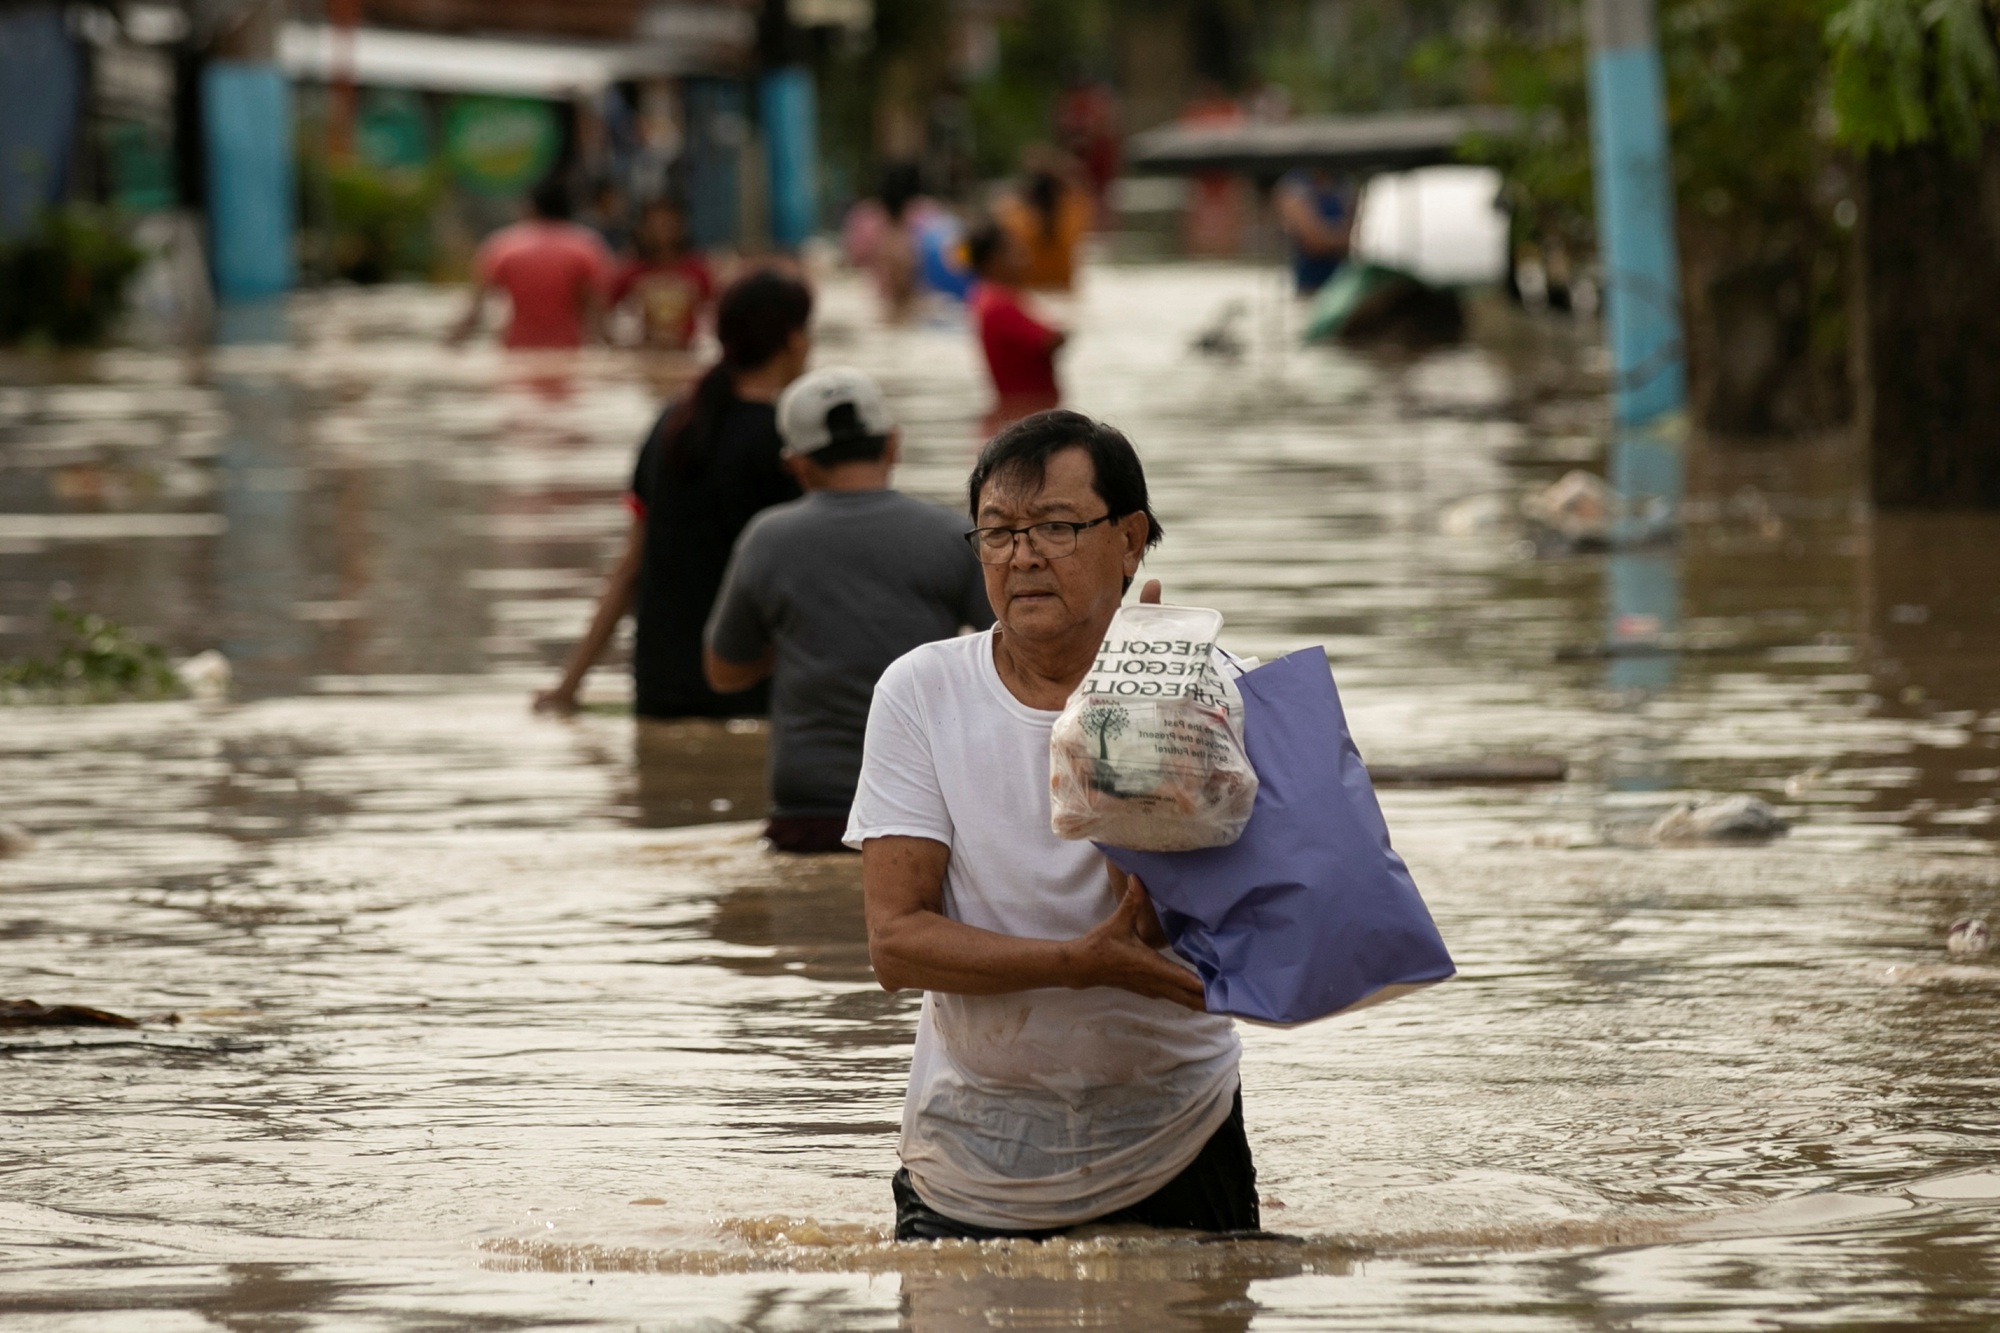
x: 811, y: 415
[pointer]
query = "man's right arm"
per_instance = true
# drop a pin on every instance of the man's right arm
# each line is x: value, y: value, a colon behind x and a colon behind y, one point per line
x: 915, y: 946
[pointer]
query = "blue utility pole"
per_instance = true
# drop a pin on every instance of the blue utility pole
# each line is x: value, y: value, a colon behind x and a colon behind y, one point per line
x: 1635, y: 229
x: 247, y: 132
x: 791, y: 153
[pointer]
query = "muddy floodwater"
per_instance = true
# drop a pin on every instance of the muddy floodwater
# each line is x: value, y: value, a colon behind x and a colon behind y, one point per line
x: 490, y: 1021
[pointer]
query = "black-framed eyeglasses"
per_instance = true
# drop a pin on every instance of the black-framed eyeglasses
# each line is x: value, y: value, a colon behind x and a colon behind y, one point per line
x: 1051, y: 540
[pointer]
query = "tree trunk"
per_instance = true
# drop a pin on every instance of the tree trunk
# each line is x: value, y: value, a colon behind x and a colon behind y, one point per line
x: 1759, y: 295
x: 1927, y: 327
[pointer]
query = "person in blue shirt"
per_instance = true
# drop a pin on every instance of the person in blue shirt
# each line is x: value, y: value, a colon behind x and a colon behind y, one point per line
x: 1317, y: 217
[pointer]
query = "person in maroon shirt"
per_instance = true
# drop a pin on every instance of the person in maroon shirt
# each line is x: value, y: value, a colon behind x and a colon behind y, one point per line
x: 670, y: 285
x: 1020, y: 349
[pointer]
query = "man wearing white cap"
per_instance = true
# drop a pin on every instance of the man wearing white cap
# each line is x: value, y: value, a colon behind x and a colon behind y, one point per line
x: 823, y: 593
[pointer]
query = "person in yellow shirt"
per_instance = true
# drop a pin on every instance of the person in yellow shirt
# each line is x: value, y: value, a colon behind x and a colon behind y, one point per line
x: 1048, y: 214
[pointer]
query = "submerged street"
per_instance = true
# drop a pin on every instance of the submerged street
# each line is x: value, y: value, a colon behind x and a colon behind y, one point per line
x: 495, y: 1021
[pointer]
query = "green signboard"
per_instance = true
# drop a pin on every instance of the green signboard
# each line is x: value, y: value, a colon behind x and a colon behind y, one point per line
x: 392, y: 132
x: 139, y: 166
x: 500, y: 145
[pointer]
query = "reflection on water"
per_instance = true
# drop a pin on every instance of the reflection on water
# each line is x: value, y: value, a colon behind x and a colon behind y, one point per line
x: 1170, y: 1305
x: 476, y: 1035
x: 696, y: 772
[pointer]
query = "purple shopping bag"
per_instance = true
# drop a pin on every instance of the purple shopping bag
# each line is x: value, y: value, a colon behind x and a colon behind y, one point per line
x: 1310, y: 912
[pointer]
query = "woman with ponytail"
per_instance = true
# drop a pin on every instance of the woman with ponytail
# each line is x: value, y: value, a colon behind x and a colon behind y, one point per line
x: 708, y: 465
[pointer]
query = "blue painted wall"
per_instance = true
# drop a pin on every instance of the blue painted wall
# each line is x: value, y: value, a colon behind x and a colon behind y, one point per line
x: 718, y: 127
x: 41, y: 87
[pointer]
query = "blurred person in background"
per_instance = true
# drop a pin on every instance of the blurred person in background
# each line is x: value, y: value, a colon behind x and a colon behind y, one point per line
x: 1213, y: 223
x: 1020, y: 349
x: 667, y: 284
x: 1048, y: 214
x: 1087, y: 126
x: 708, y: 467
x: 610, y: 216
x: 553, y: 271
x: 894, y: 258
x: 1316, y: 215
x: 824, y: 593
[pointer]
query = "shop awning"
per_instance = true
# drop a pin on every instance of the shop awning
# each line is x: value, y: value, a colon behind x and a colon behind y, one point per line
x: 1394, y: 141
x: 431, y: 62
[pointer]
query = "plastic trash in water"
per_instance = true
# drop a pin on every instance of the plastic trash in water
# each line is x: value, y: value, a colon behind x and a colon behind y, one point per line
x: 206, y: 675
x: 15, y: 840
x: 1310, y: 912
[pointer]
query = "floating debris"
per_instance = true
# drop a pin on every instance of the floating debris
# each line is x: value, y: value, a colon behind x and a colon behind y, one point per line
x: 1967, y: 938
x: 1524, y: 770
x: 1478, y: 515
x: 29, y: 1014
x: 1722, y: 819
x: 1575, y: 511
x: 1220, y: 338
x: 205, y: 676
x: 15, y: 840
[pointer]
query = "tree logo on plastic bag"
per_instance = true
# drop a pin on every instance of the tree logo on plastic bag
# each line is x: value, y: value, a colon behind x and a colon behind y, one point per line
x: 1104, y: 723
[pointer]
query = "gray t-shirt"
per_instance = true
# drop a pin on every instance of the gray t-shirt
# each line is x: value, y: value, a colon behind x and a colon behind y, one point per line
x: 843, y: 583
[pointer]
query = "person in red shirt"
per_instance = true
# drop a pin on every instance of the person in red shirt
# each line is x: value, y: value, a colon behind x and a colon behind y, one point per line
x: 554, y: 271
x: 669, y: 284
x: 1020, y: 349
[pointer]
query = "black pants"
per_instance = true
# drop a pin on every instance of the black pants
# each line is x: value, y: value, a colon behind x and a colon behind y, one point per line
x: 807, y: 834
x: 1217, y: 1191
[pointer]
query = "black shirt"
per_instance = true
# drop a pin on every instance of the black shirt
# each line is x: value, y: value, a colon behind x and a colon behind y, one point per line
x: 691, y: 526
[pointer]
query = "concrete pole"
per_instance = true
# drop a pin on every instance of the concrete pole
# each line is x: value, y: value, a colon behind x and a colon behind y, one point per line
x: 246, y: 117
x: 1635, y: 230
x: 788, y: 116
x: 791, y: 153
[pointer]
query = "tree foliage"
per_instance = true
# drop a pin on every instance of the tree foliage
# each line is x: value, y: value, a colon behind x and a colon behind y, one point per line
x: 1362, y: 55
x: 63, y: 282
x: 1048, y: 44
x: 1907, y: 71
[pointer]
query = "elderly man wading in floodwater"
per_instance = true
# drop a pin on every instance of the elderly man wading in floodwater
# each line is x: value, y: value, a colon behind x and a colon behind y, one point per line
x: 1064, y: 1071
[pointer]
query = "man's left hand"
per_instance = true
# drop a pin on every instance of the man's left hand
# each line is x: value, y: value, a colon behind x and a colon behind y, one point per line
x: 1147, y: 919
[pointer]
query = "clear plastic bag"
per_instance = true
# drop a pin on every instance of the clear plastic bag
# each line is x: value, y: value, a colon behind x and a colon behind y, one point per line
x: 1148, y: 753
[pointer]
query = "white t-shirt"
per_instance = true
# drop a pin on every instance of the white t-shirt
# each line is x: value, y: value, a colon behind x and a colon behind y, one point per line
x: 1043, y: 1108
